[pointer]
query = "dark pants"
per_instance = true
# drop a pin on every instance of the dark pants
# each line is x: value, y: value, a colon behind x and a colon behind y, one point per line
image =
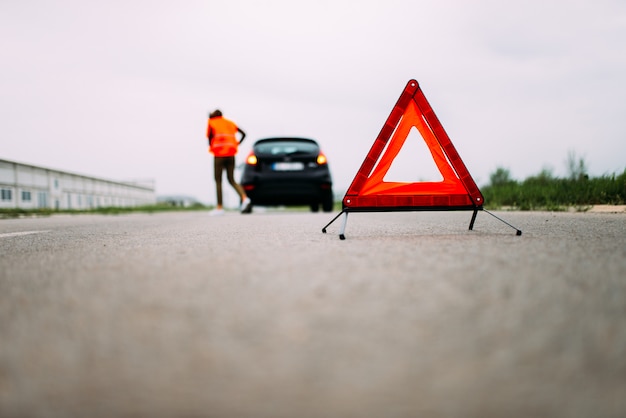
x: 228, y: 164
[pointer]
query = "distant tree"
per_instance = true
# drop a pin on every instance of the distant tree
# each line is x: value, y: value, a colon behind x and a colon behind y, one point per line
x: 500, y: 177
x: 544, y: 176
x: 576, y: 166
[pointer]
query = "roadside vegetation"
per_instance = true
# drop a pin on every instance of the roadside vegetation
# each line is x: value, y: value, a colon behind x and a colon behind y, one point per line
x: 160, y: 207
x: 544, y: 191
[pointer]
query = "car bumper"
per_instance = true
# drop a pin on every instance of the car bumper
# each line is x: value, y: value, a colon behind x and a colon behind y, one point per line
x: 268, y: 189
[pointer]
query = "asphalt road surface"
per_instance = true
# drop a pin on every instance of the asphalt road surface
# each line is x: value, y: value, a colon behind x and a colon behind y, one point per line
x: 263, y: 315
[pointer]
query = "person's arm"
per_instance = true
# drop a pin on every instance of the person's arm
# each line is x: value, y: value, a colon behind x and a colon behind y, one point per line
x: 209, y: 133
x: 243, y: 135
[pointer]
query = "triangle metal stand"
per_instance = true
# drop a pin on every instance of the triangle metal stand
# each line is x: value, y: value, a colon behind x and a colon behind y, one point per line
x: 345, y: 211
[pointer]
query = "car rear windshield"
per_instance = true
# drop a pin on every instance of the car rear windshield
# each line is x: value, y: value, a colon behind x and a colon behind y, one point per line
x: 286, y: 147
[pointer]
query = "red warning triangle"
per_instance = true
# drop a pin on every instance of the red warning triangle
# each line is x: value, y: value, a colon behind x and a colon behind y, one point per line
x: 369, y: 191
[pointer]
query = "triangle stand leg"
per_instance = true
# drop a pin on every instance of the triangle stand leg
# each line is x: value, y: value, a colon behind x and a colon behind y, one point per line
x: 517, y: 231
x: 471, y: 226
x: 333, y: 220
x: 342, y: 228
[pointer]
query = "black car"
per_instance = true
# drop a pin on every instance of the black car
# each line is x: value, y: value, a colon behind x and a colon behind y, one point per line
x: 288, y: 171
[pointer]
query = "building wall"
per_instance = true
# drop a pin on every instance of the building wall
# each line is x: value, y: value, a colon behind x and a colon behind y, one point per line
x: 29, y: 187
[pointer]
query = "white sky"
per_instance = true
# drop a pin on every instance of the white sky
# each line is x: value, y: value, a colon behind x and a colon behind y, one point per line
x: 121, y: 89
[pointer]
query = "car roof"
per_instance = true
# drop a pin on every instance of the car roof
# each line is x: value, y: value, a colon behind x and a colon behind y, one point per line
x: 285, y: 138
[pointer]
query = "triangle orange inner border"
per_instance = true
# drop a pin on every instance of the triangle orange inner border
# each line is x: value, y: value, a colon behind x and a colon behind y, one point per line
x: 368, y: 191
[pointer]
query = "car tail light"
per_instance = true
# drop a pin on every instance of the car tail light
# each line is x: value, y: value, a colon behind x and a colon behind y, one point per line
x: 321, y: 159
x: 252, y: 160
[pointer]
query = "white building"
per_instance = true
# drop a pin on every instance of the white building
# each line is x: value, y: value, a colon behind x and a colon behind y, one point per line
x: 30, y: 187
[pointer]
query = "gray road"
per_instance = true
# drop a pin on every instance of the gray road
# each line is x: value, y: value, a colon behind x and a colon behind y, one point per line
x: 187, y: 315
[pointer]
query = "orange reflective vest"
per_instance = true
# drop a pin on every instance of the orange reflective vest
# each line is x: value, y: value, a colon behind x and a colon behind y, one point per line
x: 223, y: 143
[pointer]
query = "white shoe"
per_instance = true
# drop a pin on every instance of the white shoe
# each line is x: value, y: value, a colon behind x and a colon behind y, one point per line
x: 216, y: 212
x: 246, y: 205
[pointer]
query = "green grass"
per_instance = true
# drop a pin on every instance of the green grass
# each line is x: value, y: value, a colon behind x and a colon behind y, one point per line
x: 544, y: 192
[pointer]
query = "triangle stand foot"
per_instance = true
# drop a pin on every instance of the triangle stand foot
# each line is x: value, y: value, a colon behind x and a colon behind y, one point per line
x: 342, y: 228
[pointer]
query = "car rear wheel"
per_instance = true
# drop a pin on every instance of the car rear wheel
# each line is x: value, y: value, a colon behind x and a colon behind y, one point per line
x: 315, y: 207
x: 327, y: 201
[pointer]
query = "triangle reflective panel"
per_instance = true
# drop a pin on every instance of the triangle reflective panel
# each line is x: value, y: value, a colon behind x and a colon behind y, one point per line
x: 370, y: 192
x: 454, y: 188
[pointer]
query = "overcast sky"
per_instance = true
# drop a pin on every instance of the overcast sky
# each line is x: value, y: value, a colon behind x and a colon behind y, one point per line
x: 121, y: 89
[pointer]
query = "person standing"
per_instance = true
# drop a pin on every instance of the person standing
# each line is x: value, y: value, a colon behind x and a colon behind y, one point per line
x: 223, y: 144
